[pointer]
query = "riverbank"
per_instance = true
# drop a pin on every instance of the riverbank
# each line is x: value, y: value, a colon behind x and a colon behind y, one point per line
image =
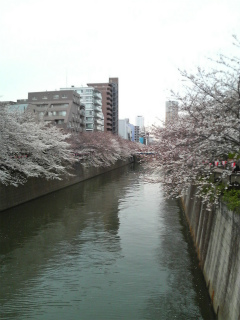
x: 216, y: 235
x: 11, y: 196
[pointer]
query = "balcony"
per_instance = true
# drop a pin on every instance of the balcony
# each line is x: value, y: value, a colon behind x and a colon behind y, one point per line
x: 98, y: 115
x: 98, y: 109
x: 97, y: 96
x: 97, y: 103
x: 99, y: 128
x: 98, y: 122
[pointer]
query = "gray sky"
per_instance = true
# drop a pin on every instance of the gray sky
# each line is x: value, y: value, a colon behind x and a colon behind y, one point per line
x: 48, y: 44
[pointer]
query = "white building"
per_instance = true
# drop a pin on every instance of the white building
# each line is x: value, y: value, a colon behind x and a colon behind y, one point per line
x: 92, y: 99
x: 140, y: 122
x: 124, y: 129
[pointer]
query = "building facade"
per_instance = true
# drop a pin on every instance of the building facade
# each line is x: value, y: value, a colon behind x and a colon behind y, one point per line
x: 63, y: 108
x: 92, y: 100
x: 109, y: 93
x: 136, y: 133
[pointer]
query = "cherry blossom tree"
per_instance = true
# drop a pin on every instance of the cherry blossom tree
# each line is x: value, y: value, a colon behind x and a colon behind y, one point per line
x: 101, y: 148
x: 31, y: 149
x: 207, y: 130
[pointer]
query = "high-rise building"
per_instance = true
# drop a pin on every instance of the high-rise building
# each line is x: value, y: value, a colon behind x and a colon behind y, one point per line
x: 63, y: 108
x: 109, y: 93
x: 171, y: 111
x: 140, y: 122
x: 92, y: 100
x: 115, y: 88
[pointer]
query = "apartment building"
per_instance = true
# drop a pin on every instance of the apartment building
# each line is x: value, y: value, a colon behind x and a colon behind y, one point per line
x: 63, y: 108
x: 92, y: 100
x: 109, y: 93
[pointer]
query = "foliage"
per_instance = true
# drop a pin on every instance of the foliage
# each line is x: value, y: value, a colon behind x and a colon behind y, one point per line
x: 30, y: 149
x: 232, y: 199
x: 235, y: 156
x: 207, y: 129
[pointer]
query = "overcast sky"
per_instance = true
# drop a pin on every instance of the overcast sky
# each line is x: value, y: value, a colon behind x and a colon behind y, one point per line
x: 48, y: 44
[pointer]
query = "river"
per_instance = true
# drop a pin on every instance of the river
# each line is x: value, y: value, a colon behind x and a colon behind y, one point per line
x: 107, y: 248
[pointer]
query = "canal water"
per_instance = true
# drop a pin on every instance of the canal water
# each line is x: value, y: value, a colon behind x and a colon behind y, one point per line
x: 108, y: 248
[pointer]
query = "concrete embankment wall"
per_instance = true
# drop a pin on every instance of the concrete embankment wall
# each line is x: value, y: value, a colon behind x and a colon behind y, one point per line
x: 216, y: 235
x: 11, y: 196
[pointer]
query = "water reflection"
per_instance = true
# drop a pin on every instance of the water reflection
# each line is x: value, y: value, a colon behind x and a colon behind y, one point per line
x: 108, y: 248
x: 35, y: 234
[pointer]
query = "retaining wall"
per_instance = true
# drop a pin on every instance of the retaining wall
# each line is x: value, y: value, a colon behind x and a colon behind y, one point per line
x: 11, y: 196
x: 216, y: 235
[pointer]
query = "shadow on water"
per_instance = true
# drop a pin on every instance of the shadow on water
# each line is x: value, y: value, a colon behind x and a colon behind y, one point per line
x: 185, y: 279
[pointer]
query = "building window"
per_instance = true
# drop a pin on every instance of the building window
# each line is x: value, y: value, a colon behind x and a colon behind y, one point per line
x: 59, y: 105
x: 52, y: 113
x: 56, y: 96
x: 44, y: 97
x: 64, y: 96
x: 62, y: 113
x: 89, y: 126
x: 89, y: 119
x: 34, y: 98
